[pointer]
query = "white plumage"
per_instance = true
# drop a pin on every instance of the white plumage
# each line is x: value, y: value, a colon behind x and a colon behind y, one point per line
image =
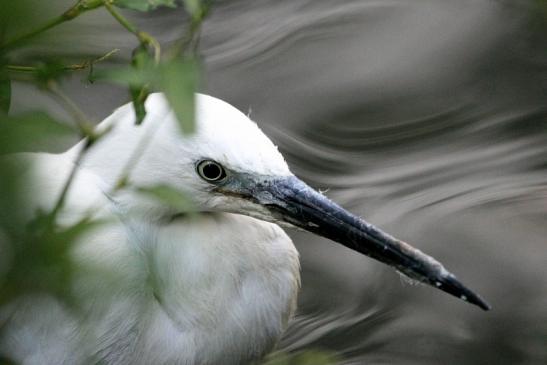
x: 162, y: 285
x: 210, y: 288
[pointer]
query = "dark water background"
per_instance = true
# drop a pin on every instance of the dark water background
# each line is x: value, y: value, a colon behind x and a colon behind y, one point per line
x: 426, y: 117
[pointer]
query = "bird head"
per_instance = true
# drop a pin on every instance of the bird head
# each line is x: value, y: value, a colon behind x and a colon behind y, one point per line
x: 229, y: 165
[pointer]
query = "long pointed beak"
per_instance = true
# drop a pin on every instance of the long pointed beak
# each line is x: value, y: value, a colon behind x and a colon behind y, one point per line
x: 294, y: 202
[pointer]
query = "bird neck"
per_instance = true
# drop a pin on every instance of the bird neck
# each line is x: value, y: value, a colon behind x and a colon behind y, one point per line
x: 218, y: 284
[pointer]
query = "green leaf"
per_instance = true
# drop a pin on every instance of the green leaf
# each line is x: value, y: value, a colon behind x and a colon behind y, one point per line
x: 144, y: 5
x: 194, y: 8
x: 169, y: 196
x: 178, y: 80
x: 125, y: 76
x: 140, y: 91
x: 33, y: 132
x: 41, y: 257
x: 5, y: 93
x: 139, y: 96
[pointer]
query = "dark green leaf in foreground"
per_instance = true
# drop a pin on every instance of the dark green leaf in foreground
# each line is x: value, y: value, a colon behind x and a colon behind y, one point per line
x: 140, y: 91
x: 42, y: 257
x: 5, y: 93
x: 179, y: 81
x: 126, y: 76
x: 144, y: 5
x: 169, y: 196
x: 34, y: 132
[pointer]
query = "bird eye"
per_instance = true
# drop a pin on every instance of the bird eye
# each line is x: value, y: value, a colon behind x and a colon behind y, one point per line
x: 211, y: 171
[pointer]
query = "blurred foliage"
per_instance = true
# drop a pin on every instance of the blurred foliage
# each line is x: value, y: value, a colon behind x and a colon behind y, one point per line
x: 44, y: 267
x: 15, y: 17
x: 139, y: 91
x: 168, y: 196
x: 177, y: 78
x: 5, y: 92
x: 33, y: 132
x: 34, y: 245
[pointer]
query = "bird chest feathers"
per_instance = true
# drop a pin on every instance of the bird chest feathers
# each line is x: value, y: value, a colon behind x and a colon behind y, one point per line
x: 223, y: 284
x: 211, y: 295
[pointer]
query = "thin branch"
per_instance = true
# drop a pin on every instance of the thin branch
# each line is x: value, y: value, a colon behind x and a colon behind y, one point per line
x: 120, y: 18
x: 17, y: 68
x: 82, y: 122
x: 86, y: 130
x: 143, y: 37
x: 76, y: 67
x: 62, y: 198
x: 191, y: 37
x: 133, y: 159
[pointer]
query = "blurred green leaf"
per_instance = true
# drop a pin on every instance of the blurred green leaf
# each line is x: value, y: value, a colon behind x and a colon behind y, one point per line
x: 41, y: 257
x: 144, y: 5
x: 5, y: 93
x: 139, y: 96
x: 19, y: 16
x: 178, y: 79
x: 125, y: 76
x: 169, y: 196
x: 33, y: 132
x: 139, y: 91
x: 179, y: 82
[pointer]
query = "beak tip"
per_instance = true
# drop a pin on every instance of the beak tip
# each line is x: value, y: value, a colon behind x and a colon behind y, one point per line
x: 479, y: 302
x: 453, y: 286
x: 483, y: 304
x: 301, y: 206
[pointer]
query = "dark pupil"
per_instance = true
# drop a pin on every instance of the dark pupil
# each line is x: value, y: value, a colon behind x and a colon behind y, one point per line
x: 211, y: 171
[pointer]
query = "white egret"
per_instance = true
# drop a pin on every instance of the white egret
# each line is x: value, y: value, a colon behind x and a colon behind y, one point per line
x: 159, y: 285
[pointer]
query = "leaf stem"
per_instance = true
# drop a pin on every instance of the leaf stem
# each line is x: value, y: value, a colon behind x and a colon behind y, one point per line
x: 120, y: 18
x: 81, y: 120
x: 190, y: 40
x: 143, y: 37
x: 76, y: 67
x: 61, y: 200
x: 87, y: 131
x: 135, y: 156
x: 17, y: 68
